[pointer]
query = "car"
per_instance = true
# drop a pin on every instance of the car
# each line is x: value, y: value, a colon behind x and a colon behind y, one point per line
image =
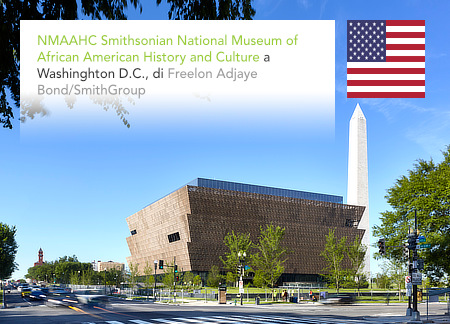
x: 25, y: 292
x: 60, y: 298
x: 38, y: 294
x: 22, y: 286
x: 339, y: 299
x: 91, y: 297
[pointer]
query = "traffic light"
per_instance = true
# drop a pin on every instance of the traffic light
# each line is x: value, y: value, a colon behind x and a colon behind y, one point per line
x: 420, y: 264
x: 161, y: 264
x: 175, y: 268
x: 405, y: 252
x: 382, y: 246
x: 177, y: 278
x: 412, y: 241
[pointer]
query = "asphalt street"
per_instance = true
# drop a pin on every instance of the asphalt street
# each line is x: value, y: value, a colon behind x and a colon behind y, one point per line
x: 126, y: 311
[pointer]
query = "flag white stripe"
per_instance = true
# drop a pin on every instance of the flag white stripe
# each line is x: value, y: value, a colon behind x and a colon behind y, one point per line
x: 405, y: 29
x: 386, y: 77
x: 365, y: 65
x: 385, y: 89
x: 405, y: 40
x: 405, y: 53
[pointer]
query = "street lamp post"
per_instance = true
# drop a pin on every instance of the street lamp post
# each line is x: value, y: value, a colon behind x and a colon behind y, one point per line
x: 105, y: 281
x: 241, y: 256
x: 154, y: 290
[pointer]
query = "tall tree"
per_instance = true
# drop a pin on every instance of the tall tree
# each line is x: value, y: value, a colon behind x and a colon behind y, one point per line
x: 236, y: 243
x: 12, y: 11
x: 134, y: 275
x: 149, y: 279
x: 188, y: 278
x: 334, y: 254
x: 356, y: 252
x: 396, y: 270
x: 197, y: 282
x: 425, y: 189
x: 214, y: 278
x: 8, y: 250
x: 210, y: 9
x: 168, y: 279
x: 271, y: 255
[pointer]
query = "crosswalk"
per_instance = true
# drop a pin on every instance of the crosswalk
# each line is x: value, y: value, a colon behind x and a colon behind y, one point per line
x: 233, y: 319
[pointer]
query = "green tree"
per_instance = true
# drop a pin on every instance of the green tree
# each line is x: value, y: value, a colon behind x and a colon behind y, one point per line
x: 259, y: 280
x: 214, y: 278
x: 87, y: 277
x: 8, y: 250
x: 149, y: 279
x: 75, y: 278
x: 334, y: 254
x: 356, y: 252
x: 396, y: 271
x: 168, y: 279
x: 197, y: 281
x: 426, y: 190
x: 230, y: 278
x: 134, y: 275
x: 236, y: 243
x: 271, y: 255
x: 188, y: 278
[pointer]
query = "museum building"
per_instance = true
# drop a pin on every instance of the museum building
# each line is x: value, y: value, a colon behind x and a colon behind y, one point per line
x: 190, y: 224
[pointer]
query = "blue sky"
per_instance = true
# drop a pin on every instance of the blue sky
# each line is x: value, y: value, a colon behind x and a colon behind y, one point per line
x: 71, y: 194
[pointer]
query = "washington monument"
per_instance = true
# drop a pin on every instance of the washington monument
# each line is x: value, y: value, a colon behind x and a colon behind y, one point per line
x: 358, y: 179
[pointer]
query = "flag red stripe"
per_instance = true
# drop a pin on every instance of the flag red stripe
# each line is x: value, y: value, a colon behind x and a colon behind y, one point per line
x: 369, y: 83
x: 406, y: 47
x: 385, y: 94
x: 385, y: 71
x: 405, y: 22
x: 405, y: 35
x: 405, y: 58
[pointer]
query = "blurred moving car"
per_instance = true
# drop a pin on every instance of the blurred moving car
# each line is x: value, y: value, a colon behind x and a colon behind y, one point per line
x: 85, y: 297
x: 339, y: 299
x: 39, y: 293
x: 25, y: 292
x: 21, y: 287
x: 60, y: 297
x: 91, y: 297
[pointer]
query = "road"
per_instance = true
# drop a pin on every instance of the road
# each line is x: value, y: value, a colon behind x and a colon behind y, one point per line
x: 133, y: 312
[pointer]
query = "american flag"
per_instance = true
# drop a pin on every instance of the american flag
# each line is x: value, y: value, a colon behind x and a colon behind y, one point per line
x: 385, y: 58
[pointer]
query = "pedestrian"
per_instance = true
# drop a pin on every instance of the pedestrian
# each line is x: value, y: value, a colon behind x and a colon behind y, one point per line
x: 310, y: 294
x: 285, y: 296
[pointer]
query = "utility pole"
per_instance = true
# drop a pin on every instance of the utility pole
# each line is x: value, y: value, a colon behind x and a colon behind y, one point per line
x: 154, y: 289
x: 415, y: 313
x: 175, y: 270
x: 416, y: 279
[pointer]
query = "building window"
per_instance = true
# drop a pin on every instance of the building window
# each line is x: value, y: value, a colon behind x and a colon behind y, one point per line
x: 174, y: 237
x: 133, y: 232
x: 351, y: 223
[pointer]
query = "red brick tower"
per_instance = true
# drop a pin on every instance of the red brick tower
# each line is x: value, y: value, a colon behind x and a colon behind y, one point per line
x: 40, y: 258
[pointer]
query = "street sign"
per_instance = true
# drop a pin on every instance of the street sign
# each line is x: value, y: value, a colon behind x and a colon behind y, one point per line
x: 423, y: 246
x: 422, y: 239
x: 407, y: 279
x: 416, y: 278
x: 241, y: 286
x: 408, y: 292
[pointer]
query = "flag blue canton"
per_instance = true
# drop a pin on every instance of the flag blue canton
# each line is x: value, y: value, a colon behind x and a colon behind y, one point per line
x: 366, y: 41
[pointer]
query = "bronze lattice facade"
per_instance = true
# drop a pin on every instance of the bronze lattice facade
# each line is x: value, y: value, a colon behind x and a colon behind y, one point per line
x: 191, y: 223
